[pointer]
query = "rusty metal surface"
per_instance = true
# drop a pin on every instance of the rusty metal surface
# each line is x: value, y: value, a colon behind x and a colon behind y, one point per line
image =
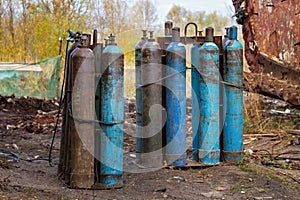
x: 138, y: 63
x: 271, y: 29
x: 112, y: 115
x: 151, y: 73
x: 82, y: 134
x: 270, y: 86
x: 279, y: 70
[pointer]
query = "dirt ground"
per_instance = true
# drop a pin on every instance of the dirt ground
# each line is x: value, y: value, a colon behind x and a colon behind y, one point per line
x: 270, y: 169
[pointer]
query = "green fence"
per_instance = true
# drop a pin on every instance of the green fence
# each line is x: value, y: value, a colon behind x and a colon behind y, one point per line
x: 41, y: 79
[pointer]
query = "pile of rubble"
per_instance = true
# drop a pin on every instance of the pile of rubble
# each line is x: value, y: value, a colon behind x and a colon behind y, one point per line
x: 28, y: 114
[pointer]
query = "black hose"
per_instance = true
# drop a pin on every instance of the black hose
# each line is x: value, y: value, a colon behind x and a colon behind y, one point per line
x: 59, y: 109
x: 16, y: 157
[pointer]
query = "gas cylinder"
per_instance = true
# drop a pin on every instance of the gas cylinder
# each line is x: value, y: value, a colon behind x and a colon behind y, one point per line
x: 167, y: 40
x: 209, y: 134
x: 175, y: 85
x: 112, y: 116
x: 82, y: 116
x: 69, y: 120
x: 83, y: 40
x: 138, y: 59
x: 151, y: 74
x: 233, y: 74
x: 65, y: 119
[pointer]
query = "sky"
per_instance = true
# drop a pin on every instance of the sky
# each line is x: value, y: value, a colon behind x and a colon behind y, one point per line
x: 224, y: 7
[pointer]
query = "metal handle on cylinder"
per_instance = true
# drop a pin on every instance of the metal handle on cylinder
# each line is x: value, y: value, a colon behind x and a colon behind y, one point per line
x: 185, y: 30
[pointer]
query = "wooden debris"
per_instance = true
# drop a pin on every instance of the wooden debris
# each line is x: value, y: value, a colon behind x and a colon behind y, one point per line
x: 293, y: 132
x: 261, y: 135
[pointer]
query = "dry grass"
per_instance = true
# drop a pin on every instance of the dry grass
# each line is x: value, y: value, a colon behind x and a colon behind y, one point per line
x: 258, y: 117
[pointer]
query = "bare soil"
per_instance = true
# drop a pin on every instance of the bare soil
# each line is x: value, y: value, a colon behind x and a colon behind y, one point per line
x: 26, y: 127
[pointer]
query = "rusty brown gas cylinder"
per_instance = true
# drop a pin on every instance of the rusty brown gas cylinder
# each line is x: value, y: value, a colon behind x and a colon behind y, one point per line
x: 82, y: 126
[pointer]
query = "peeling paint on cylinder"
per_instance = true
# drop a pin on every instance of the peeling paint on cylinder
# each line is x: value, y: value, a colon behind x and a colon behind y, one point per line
x: 82, y: 135
x: 112, y: 116
x: 233, y: 74
x: 151, y: 73
x: 139, y: 124
x: 209, y: 134
x: 279, y: 40
x: 69, y: 121
x: 176, y: 101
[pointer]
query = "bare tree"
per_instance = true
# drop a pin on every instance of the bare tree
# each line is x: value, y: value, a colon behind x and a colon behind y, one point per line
x: 180, y: 16
x: 11, y: 20
x: 143, y: 14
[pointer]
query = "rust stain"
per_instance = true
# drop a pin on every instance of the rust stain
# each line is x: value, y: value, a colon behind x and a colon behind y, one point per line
x: 271, y: 29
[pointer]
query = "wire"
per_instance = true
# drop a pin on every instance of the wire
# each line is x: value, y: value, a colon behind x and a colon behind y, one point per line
x: 59, y: 109
x: 79, y: 120
x: 137, y: 86
x: 16, y: 157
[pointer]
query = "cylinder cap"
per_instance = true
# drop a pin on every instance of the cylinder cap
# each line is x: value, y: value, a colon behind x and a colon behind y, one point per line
x: 106, y: 41
x: 227, y: 30
x: 78, y: 35
x: 176, y: 34
x: 151, y: 39
x: 233, y: 33
x: 209, y: 34
x: 83, y: 39
x: 88, y: 39
x: 200, y: 32
x: 144, y: 34
x: 112, y: 39
x: 168, y: 28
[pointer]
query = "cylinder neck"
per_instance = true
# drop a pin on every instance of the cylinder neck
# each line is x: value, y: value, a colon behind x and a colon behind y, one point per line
x: 78, y: 36
x: 151, y: 39
x: 227, y: 31
x: 200, y: 33
x: 87, y: 38
x: 106, y: 41
x: 233, y: 33
x: 77, y: 39
x: 95, y: 39
x: 144, y: 35
x: 168, y: 28
x: 83, y: 40
x: 209, y: 34
x: 176, y: 34
x: 112, y: 39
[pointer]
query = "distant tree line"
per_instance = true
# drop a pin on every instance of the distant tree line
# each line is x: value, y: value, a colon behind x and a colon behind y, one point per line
x: 181, y: 16
x: 30, y: 29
